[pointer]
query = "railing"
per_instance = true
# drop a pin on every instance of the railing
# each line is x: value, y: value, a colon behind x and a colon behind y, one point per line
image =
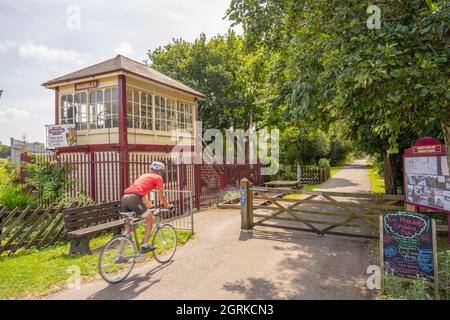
x: 183, y: 216
x: 100, y: 175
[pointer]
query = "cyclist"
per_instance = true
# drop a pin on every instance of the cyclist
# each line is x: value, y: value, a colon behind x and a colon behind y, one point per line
x: 135, y: 199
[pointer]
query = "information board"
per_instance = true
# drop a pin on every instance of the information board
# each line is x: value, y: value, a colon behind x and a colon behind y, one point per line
x: 61, y: 135
x: 426, y: 175
x: 18, y: 147
x: 408, y: 245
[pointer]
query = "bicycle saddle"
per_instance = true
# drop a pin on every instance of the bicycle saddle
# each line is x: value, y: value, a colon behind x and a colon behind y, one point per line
x: 128, y: 214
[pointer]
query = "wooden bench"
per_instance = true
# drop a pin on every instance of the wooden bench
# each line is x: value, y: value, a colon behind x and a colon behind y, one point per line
x: 86, y: 222
x: 284, y: 184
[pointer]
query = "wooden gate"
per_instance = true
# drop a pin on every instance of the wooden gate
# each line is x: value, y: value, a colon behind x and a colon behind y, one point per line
x: 321, y: 212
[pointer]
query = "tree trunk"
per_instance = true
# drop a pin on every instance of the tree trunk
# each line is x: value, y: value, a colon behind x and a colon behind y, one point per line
x: 390, y: 187
x: 446, y: 129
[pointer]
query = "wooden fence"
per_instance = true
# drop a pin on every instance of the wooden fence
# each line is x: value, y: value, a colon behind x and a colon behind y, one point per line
x: 30, y: 228
x: 45, y: 226
x: 336, y: 213
x: 312, y: 175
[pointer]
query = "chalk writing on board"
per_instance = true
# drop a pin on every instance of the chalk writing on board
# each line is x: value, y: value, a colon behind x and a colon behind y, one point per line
x: 404, y: 226
x: 425, y: 260
x: 408, y: 245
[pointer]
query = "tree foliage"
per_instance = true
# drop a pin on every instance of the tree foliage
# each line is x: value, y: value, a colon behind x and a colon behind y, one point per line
x: 220, y: 68
x: 384, y: 84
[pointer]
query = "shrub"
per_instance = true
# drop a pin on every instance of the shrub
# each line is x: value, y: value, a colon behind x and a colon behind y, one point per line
x: 323, y: 163
x: 229, y: 195
x: 14, y: 196
x: 393, y: 286
x: 8, y: 174
x: 286, y: 172
x: 79, y: 200
x: 397, y: 289
x: 418, y: 290
x: 49, y: 179
x: 444, y: 272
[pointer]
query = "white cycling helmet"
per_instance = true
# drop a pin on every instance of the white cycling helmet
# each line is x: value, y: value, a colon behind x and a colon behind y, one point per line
x: 157, y: 167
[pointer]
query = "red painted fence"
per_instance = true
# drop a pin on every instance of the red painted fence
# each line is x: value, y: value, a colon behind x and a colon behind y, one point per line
x: 98, y: 175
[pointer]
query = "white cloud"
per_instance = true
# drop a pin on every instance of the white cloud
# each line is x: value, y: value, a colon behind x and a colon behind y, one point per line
x: 5, y: 46
x: 124, y: 48
x: 13, y: 114
x: 34, y: 51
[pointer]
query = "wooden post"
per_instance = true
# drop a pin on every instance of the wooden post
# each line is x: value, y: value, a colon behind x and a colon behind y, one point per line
x: 246, y: 204
x: 435, y: 261
x: 381, y: 254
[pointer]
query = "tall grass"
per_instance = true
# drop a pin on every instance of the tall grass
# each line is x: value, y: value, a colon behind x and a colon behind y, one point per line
x: 14, y: 196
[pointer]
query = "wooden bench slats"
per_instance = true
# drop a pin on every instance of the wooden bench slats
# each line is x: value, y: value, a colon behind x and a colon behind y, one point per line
x: 83, y: 222
x: 94, y: 229
x: 89, y: 222
x: 86, y: 215
x: 92, y: 208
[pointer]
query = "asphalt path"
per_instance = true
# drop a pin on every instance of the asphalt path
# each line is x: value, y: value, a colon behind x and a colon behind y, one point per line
x: 221, y: 262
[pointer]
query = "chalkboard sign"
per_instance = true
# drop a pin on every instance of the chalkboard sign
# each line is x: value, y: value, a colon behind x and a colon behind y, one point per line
x: 408, y: 245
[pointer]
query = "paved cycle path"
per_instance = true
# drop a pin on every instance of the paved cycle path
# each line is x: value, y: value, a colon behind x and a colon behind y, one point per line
x: 223, y: 263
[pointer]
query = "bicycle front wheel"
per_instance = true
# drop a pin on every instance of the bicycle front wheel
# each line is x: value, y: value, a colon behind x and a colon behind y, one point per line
x: 117, y: 259
x: 165, y: 242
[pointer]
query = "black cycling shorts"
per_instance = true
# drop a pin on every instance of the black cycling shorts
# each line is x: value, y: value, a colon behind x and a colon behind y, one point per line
x: 133, y: 203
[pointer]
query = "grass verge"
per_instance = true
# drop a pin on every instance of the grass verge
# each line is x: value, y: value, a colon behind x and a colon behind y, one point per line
x: 376, y: 181
x: 36, y: 273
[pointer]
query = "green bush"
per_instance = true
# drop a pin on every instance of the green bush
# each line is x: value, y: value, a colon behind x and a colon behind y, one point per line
x: 79, y: 200
x: 398, y: 289
x: 444, y: 272
x: 8, y: 174
x: 286, y: 172
x: 418, y: 290
x: 49, y: 179
x: 14, y: 196
x: 393, y: 286
x: 229, y: 195
x: 323, y: 163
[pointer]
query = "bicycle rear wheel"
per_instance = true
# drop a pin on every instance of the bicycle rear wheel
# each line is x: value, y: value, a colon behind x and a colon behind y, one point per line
x: 117, y: 259
x: 165, y: 241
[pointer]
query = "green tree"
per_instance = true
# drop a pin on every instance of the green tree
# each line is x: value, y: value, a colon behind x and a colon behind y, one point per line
x: 303, y: 145
x: 384, y: 84
x: 5, y: 151
x: 231, y: 78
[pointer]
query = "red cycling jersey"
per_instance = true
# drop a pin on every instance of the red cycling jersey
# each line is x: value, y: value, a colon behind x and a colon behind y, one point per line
x: 145, y: 184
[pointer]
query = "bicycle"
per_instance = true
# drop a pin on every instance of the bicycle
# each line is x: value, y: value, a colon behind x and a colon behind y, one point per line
x: 164, y: 241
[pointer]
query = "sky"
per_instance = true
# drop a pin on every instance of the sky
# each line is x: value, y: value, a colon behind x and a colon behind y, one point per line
x: 44, y: 39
